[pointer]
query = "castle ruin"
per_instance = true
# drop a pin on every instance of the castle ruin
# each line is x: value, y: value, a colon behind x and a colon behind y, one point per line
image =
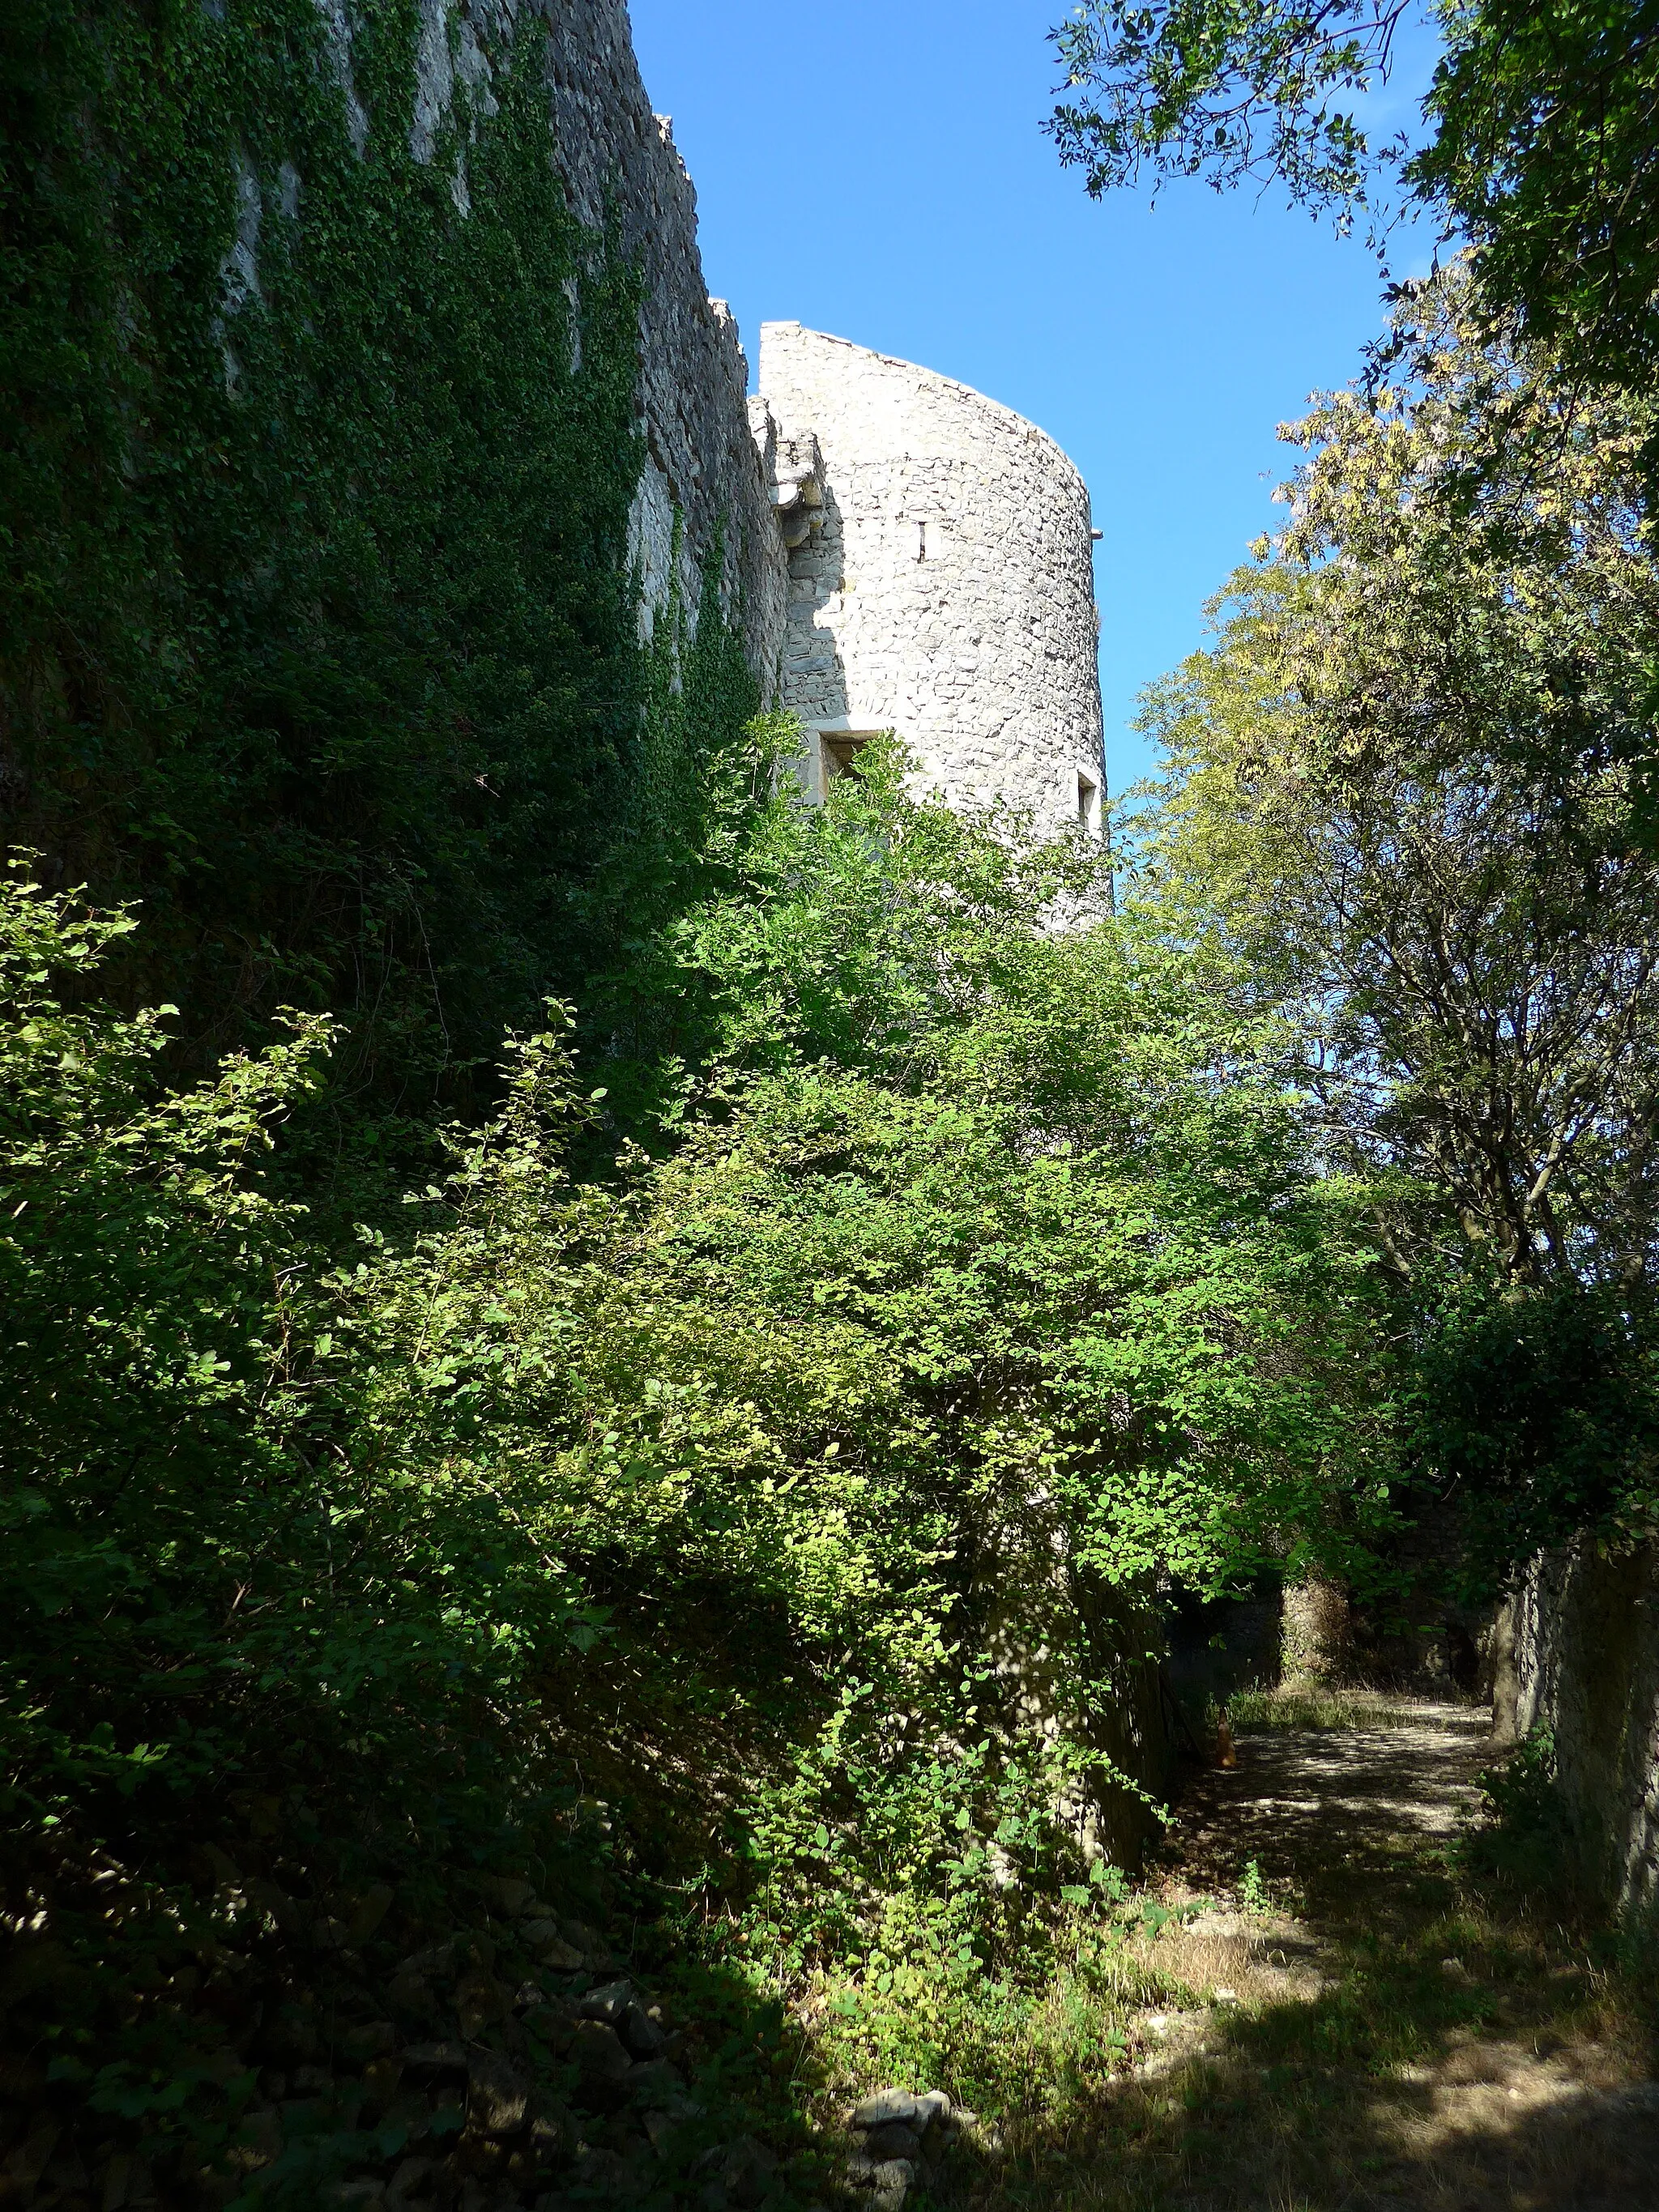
x: 939, y: 579
x: 901, y: 552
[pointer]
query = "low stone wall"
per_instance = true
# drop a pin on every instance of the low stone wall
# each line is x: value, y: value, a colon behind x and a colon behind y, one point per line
x: 1586, y: 1646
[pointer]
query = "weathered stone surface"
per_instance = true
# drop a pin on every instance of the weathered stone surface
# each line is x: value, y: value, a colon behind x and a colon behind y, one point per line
x: 549, y: 1946
x: 640, y: 2031
x: 497, y: 2097
x: 1586, y: 1648
x: 623, y: 173
x: 591, y: 1945
x: 480, y: 2001
x: 891, y: 2180
x: 944, y: 588
x: 608, y: 2003
x: 658, y: 2082
x: 599, y: 2051
x: 358, y: 2044
x: 428, y: 2061
x: 742, y: 2170
x: 884, y: 2105
x: 899, y: 551
x: 893, y: 2140
x: 509, y: 1893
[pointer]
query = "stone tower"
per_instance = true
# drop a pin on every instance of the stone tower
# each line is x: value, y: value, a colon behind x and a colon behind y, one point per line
x: 940, y: 580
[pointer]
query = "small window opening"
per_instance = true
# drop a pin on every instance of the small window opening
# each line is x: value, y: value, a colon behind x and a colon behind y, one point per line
x: 841, y: 754
x: 922, y: 541
x: 1088, y: 804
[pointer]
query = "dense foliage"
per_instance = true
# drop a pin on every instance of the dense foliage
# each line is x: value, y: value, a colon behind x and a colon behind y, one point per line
x: 317, y: 627
x: 1406, y: 785
x: 803, y: 1492
x: 742, y: 1480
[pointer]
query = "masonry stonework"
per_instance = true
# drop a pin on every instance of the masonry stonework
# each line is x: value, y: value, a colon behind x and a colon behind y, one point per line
x: 625, y: 178
x: 899, y: 551
x: 941, y: 585
x: 1585, y: 1626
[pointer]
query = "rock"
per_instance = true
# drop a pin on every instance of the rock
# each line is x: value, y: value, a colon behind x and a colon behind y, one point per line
x: 548, y: 2134
x: 497, y: 2100
x: 604, y: 2173
x: 891, y: 2181
x: 407, y: 2179
x: 410, y: 1995
x: 480, y: 2001
x: 438, y: 1959
x: 599, y: 2051
x: 640, y: 2031
x: 550, y: 2025
x: 358, y: 2044
x: 893, y: 2139
x: 380, y: 2079
x: 609, y: 2004
x: 509, y: 1893
x: 259, y: 2140
x: 656, y: 2081
x: 659, y: 2126
x: 372, y: 1910
x: 278, y: 1903
x: 933, y: 2105
x: 428, y: 2061
x: 544, y: 1940
x: 885, y: 2104
x: 581, y: 1937
x: 742, y: 2170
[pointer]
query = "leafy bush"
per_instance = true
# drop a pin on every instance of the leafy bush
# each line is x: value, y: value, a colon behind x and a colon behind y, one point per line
x: 1523, y: 1839
x: 806, y: 1491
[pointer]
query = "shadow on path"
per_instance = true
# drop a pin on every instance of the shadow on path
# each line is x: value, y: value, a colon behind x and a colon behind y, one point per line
x: 1364, y: 2032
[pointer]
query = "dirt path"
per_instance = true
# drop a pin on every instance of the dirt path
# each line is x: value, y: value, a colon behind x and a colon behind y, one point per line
x: 1352, y: 2022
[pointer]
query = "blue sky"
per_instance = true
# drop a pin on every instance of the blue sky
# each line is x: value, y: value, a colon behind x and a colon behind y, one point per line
x: 875, y: 169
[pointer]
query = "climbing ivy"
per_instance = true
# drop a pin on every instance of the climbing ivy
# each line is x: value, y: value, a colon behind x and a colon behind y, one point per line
x: 318, y: 634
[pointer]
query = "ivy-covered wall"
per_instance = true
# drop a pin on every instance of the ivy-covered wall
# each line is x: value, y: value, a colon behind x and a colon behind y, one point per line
x: 319, y: 629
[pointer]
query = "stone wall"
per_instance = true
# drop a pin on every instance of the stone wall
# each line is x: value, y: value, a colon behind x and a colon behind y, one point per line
x: 1586, y: 1638
x: 621, y: 170
x: 940, y: 580
x: 901, y: 551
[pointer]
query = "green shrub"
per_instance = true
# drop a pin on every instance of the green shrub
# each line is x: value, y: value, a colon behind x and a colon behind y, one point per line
x: 803, y: 1492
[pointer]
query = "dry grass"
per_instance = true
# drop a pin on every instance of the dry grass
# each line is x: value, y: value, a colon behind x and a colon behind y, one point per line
x: 1311, y: 1707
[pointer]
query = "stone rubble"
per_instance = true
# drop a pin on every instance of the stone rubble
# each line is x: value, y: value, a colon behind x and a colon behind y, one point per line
x: 900, y: 2136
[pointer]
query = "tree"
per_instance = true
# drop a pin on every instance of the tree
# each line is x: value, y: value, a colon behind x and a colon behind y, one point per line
x: 1540, y: 137
x: 1405, y: 780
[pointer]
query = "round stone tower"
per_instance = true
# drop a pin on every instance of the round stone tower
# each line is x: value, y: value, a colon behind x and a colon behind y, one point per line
x: 940, y: 579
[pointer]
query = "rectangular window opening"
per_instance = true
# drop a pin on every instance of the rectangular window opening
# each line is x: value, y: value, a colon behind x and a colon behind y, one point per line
x: 841, y: 753
x: 1088, y: 804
